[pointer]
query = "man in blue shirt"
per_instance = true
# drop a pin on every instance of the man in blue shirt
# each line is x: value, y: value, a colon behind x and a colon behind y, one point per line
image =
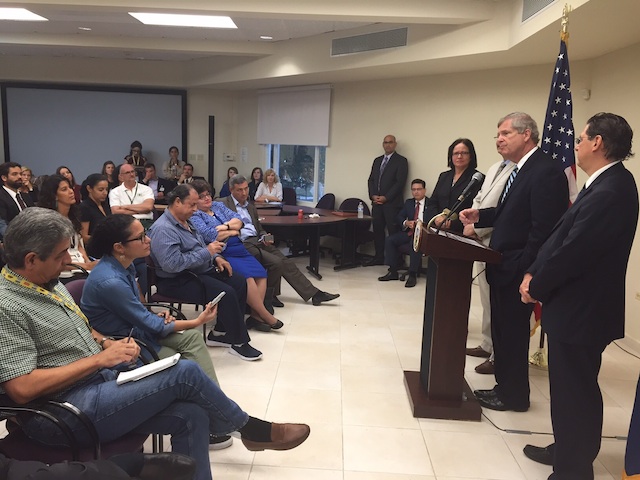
x: 176, y: 246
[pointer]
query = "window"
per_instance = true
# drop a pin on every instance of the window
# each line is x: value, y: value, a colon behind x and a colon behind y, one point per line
x: 300, y: 167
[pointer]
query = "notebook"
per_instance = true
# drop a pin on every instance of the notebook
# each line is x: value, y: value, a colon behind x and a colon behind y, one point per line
x: 146, y: 370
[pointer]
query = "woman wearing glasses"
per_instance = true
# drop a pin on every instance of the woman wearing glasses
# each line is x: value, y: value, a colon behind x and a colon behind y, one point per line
x: 111, y: 301
x: 217, y: 223
x: 462, y: 163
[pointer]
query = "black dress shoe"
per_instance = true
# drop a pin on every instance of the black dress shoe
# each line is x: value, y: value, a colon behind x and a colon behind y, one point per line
x: 542, y: 455
x: 167, y: 466
x: 373, y: 261
x: 275, y: 301
x: 321, y: 296
x: 485, y: 393
x: 411, y: 281
x: 257, y: 324
x: 391, y: 275
x: 494, y: 403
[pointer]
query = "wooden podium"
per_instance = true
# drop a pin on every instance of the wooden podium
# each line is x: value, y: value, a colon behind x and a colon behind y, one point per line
x: 439, y: 390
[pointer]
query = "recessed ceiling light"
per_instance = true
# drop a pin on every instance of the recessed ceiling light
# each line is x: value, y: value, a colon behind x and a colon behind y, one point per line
x: 20, y: 14
x: 266, y: 37
x: 84, y: 29
x: 172, y: 20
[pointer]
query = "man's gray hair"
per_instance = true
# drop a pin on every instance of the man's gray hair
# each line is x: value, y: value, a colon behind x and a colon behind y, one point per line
x: 522, y: 121
x: 37, y: 230
x: 236, y: 180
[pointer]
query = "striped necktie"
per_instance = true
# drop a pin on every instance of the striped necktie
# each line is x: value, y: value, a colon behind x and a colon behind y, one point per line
x: 510, y: 180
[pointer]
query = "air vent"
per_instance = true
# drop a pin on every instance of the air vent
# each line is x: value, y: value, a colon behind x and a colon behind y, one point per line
x: 531, y: 7
x: 368, y: 42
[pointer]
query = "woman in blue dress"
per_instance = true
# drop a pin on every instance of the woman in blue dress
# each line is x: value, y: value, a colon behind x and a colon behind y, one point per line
x: 217, y: 223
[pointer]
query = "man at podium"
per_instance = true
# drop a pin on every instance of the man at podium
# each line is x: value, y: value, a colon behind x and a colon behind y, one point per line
x: 579, y: 276
x: 535, y: 196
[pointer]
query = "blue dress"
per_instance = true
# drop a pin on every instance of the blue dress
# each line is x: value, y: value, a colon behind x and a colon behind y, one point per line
x: 235, y: 252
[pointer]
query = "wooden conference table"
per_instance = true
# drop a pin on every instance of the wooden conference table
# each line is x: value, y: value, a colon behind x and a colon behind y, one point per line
x: 284, y: 221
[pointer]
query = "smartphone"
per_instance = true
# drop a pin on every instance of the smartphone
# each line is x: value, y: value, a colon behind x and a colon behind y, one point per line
x: 268, y: 238
x: 217, y: 299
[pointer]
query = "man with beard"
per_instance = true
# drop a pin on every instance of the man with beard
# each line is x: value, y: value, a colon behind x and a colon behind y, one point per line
x: 12, y: 202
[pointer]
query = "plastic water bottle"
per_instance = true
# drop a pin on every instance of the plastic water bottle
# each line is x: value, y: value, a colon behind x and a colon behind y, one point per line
x: 360, y: 210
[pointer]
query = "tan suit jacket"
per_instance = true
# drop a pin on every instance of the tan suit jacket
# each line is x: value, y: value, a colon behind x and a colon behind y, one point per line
x: 489, y: 194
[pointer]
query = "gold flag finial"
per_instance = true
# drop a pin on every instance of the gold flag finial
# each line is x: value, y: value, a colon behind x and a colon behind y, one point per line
x: 564, y: 32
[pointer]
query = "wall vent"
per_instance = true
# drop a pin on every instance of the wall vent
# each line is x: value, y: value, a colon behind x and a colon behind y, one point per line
x: 531, y: 7
x: 370, y: 41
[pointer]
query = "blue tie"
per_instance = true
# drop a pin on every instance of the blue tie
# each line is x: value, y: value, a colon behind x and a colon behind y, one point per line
x: 510, y: 180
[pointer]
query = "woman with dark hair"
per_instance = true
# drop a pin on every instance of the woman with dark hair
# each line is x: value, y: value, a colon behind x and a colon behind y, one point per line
x: 219, y: 224
x: 109, y: 169
x: 95, y: 207
x: 172, y: 168
x: 136, y: 159
x: 66, y: 173
x: 224, y: 191
x: 111, y: 301
x: 56, y: 194
x: 256, y: 179
x: 462, y: 162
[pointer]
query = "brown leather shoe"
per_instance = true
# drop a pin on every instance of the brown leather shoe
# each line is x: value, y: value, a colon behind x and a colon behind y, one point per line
x: 477, y: 352
x: 486, y: 368
x: 284, y: 436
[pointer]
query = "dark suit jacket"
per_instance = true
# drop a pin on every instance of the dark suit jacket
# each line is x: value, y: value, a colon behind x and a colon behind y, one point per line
x: 253, y: 213
x: 167, y: 184
x: 579, y: 274
x: 409, y: 209
x: 8, y: 207
x: 536, y: 200
x: 394, y: 178
x: 445, y: 196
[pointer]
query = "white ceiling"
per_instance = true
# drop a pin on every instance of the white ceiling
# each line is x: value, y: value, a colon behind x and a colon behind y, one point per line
x: 302, y: 32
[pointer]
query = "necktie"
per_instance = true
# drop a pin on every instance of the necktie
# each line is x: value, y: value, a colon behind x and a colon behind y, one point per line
x: 510, y: 180
x: 20, y: 201
x: 415, y: 217
x: 383, y: 165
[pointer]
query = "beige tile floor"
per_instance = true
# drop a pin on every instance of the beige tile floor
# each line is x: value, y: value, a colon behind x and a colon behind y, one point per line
x: 339, y: 368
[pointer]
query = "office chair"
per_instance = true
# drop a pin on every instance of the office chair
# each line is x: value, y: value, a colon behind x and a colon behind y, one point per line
x: 289, y: 196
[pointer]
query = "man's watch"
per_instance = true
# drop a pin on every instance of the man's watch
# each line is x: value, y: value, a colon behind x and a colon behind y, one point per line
x: 104, y: 339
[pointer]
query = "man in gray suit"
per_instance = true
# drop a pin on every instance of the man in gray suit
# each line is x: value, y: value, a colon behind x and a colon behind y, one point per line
x: 487, y: 197
x: 277, y: 265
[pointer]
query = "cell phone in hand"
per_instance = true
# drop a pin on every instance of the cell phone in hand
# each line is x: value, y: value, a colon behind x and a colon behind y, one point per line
x: 217, y: 299
x: 268, y: 238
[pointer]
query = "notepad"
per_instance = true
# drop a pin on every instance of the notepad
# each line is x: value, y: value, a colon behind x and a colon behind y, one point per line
x: 146, y: 370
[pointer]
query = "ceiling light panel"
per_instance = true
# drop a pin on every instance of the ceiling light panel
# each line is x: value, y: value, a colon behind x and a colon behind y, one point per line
x: 174, y: 20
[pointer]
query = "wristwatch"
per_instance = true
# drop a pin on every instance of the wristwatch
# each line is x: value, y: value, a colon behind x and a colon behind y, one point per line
x: 104, y: 339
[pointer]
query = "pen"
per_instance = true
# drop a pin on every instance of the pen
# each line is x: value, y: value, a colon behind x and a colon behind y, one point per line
x: 129, y: 337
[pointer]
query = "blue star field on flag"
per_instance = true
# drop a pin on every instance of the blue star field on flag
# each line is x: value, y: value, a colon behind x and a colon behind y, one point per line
x: 558, y: 134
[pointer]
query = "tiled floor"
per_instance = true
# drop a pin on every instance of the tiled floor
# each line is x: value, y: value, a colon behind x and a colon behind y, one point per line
x: 339, y: 368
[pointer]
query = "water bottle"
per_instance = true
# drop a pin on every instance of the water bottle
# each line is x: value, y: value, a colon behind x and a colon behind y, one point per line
x: 360, y: 210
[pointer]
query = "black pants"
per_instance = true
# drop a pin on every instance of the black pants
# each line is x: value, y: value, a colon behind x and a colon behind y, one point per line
x: 231, y: 307
x: 383, y: 217
x: 576, y: 408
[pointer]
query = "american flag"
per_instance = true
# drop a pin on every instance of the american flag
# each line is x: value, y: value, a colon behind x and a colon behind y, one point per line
x: 558, y: 135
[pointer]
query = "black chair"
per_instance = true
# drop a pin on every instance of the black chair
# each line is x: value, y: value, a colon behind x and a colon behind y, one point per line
x: 17, y: 445
x: 363, y: 229
x: 328, y: 202
x: 289, y: 196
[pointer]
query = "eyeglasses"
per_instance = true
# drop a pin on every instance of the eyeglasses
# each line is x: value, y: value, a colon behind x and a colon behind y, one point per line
x: 202, y: 196
x: 126, y: 173
x: 580, y: 139
x: 460, y: 154
x: 142, y: 238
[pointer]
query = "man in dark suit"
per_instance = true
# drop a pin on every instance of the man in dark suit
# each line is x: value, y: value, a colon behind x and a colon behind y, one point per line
x: 414, y: 209
x: 386, y: 184
x: 277, y: 265
x: 160, y: 186
x: 12, y: 202
x: 579, y: 276
x: 535, y: 196
x: 187, y: 175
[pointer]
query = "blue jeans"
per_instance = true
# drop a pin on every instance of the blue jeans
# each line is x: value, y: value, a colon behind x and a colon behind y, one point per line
x: 181, y: 401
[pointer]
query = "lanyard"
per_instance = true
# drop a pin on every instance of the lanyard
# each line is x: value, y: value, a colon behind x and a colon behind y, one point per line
x: 13, y: 278
x: 134, y: 193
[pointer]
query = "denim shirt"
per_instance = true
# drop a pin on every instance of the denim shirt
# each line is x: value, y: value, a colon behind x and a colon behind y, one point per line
x: 175, y: 248
x: 111, y: 302
x: 206, y: 224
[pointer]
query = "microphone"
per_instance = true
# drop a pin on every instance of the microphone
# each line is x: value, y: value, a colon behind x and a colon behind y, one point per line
x: 477, y: 178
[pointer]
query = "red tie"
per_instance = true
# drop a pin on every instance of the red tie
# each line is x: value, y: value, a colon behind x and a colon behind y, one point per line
x: 415, y: 217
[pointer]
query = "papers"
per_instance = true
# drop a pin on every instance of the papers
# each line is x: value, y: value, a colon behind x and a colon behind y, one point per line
x: 146, y: 370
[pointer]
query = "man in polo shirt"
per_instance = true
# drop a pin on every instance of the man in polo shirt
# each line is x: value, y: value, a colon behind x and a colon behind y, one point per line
x: 131, y: 197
